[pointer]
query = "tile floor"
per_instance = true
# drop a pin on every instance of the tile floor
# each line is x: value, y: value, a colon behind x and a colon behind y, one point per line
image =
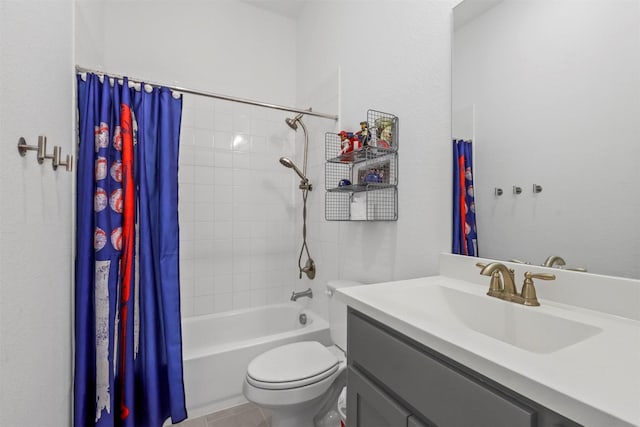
x: 246, y: 415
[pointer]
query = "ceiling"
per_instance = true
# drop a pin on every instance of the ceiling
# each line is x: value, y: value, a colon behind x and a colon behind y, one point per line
x: 468, y: 10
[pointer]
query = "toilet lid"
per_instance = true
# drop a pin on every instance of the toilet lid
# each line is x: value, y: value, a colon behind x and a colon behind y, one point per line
x: 292, y: 365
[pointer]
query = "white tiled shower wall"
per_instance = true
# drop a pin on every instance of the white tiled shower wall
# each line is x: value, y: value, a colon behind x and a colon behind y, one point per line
x: 238, y: 208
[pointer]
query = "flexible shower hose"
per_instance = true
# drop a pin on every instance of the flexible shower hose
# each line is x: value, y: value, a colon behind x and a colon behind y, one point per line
x: 304, y: 231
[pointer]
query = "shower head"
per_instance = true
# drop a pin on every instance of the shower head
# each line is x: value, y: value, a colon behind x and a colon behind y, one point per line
x: 293, y: 122
x: 288, y: 163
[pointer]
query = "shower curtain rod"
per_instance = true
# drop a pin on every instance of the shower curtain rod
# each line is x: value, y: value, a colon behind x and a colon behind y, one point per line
x: 308, y: 112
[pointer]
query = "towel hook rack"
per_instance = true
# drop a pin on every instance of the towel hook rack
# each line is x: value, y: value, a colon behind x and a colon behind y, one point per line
x: 41, y: 149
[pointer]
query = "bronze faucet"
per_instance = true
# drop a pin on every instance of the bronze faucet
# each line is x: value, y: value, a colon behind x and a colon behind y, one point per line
x: 553, y: 260
x: 501, y: 274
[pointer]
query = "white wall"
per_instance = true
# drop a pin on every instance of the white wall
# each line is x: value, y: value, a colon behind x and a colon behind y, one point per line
x: 556, y: 91
x: 393, y: 56
x: 36, y: 98
x: 227, y: 47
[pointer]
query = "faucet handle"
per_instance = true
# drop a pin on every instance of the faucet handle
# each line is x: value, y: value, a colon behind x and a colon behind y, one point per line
x: 528, y: 289
x: 541, y: 276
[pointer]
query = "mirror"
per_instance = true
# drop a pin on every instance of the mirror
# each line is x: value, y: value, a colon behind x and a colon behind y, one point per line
x: 549, y: 92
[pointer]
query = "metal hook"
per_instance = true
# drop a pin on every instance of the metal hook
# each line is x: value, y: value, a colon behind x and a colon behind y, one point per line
x: 42, y: 149
x: 57, y: 154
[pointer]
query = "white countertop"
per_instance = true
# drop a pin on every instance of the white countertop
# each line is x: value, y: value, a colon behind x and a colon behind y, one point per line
x: 595, y: 382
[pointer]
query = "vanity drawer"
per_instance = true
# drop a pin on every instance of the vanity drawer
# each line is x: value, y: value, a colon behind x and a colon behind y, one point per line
x: 437, y: 390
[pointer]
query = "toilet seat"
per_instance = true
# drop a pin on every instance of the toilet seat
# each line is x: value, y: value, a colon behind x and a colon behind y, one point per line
x: 285, y: 385
x: 291, y: 366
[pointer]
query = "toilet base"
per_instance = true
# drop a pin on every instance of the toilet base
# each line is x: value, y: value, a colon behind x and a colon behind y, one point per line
x: 302, y: 415
x: 295, y: 416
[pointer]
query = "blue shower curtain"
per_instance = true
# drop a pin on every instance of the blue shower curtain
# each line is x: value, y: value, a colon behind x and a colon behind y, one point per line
x: 465, y: 238
x: 128, y: 345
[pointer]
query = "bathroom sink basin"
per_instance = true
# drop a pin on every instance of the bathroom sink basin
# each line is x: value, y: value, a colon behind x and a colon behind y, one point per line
x: 573, y: 359
x: 528, y: 328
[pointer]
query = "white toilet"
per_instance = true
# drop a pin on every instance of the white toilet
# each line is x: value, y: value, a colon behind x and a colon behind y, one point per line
x: 295, y: 381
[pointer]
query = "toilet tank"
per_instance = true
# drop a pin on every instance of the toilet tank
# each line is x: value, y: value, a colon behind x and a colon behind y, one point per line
x: 338, y: 312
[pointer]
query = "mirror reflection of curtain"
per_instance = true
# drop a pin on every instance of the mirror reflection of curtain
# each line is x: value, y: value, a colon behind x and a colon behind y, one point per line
x: 465, y: 238
x: 128, y: 353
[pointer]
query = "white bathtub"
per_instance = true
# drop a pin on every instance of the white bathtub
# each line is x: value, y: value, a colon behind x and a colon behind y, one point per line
x: 217, y: 349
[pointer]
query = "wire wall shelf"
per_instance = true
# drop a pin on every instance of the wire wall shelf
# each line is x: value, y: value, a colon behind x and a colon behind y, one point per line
x: 372, y: 205
x: 361, y: 171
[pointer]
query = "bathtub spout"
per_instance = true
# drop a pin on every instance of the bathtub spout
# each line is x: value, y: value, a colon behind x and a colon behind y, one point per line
x: 296, y: 295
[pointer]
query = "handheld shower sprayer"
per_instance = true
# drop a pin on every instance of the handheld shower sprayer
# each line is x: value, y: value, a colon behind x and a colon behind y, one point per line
x: 285, y: 161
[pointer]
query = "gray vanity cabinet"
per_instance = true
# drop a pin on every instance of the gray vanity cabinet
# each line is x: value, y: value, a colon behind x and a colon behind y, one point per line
x: 394, y: 381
